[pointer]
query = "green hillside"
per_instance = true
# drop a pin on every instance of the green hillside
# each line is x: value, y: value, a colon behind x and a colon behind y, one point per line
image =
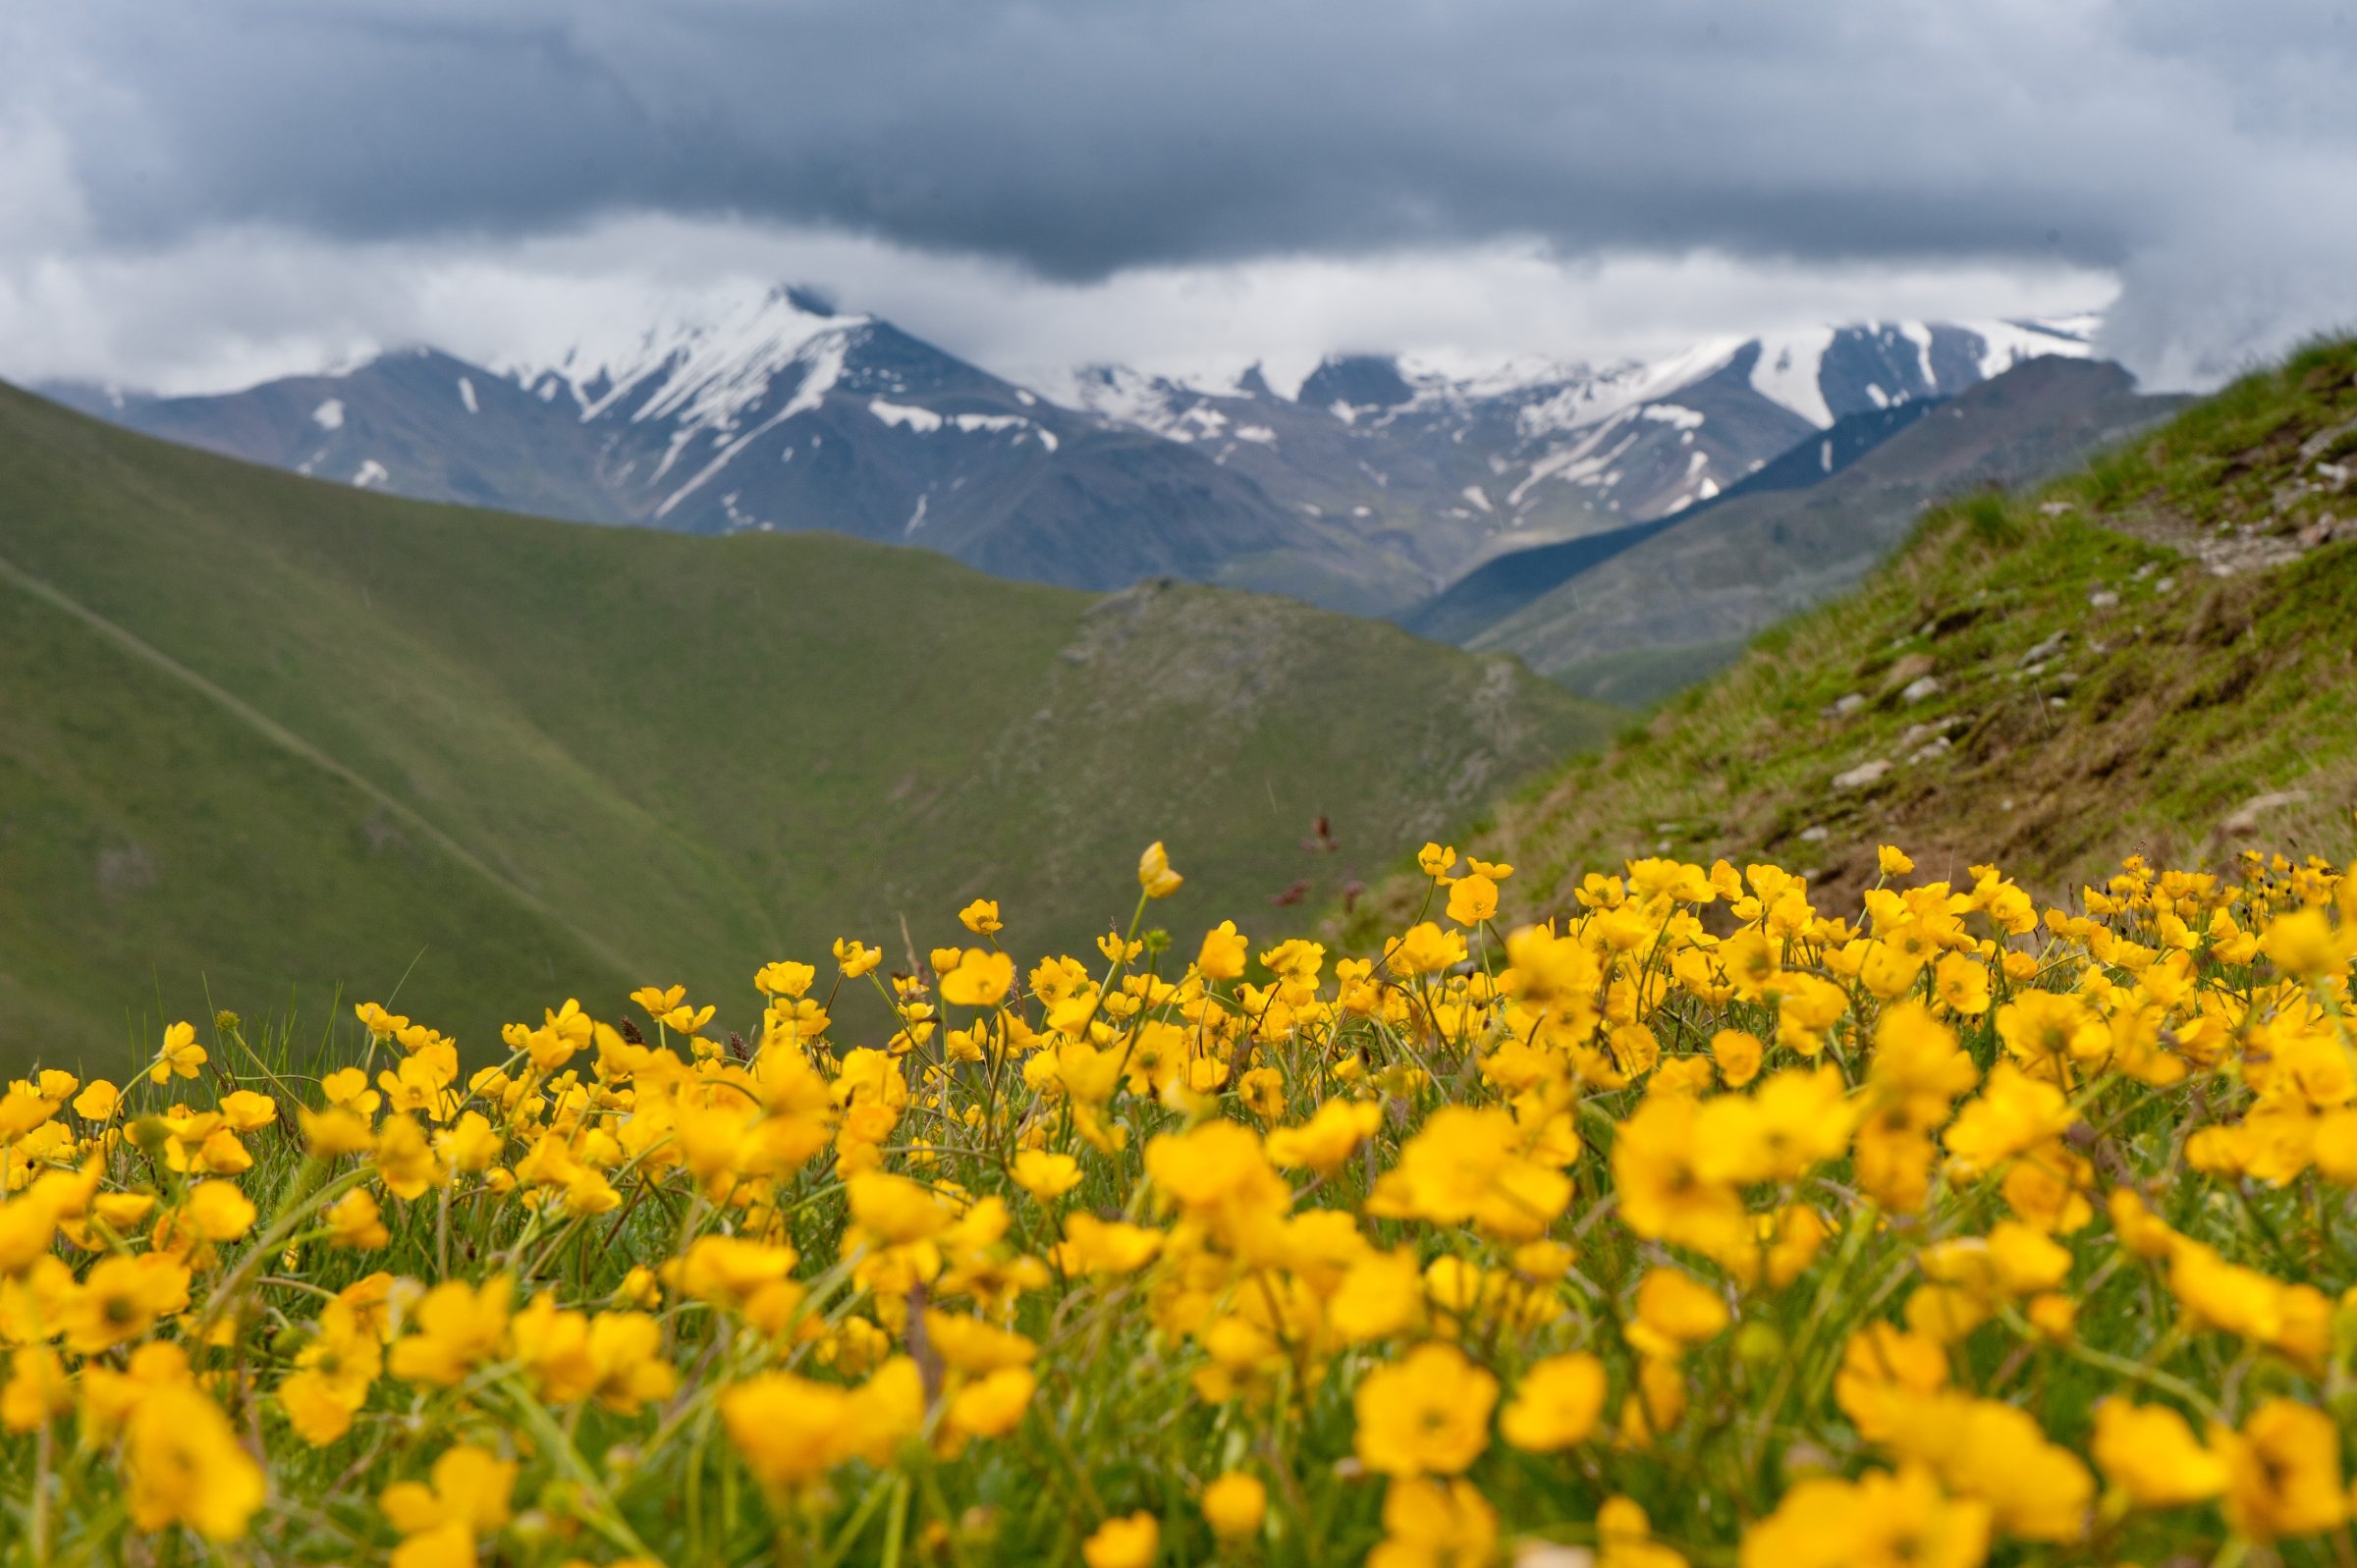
x: 263, y: 737
x: 2151, y: 655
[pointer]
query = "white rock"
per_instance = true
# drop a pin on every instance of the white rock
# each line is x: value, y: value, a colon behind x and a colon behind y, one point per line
x: 1864, y: 774
x: 1917, y: 691
x: 1817, y: 835
x: 1849, y: 704
x: 2102, y: 599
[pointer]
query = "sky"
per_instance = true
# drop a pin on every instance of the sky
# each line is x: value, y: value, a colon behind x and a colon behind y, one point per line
x: 201, y: 197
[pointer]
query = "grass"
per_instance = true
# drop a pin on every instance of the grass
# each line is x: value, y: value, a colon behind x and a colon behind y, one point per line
x: 268, y: 735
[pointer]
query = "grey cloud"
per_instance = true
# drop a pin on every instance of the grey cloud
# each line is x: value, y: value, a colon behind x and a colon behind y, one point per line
x: 1077, y: 138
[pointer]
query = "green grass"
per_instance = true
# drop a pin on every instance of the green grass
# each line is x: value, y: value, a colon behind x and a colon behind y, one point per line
x: 268, y: 738
x: 2196, y: 715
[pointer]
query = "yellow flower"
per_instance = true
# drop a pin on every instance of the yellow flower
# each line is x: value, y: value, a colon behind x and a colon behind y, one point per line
x: 378, y: 1022
x: 668, y: 1007
x: 981, y: 918
x: 894, y: 1210
x: 1674, y: 1311
x: 1885, y: 1372
x: 1093, y: 1246
x: 1129, y: 1543
x: 784, y: 978
x: 333, y: 1375
x: 1961, y: 984
x: 1154, y: 873
x: 1893, y: 861
x: 180, y: 1055
x: 855, y: 957
x: 459, y: 1328
x: 991, y: 1405
x: 2150, y: 1453
x: 442, y: 1521
x: 1045, y: 1176
x: 2282, y: 1472
x: 39, y: 1389
x: 1235, y: 1504
x: 1424, y: 949
x: 1222, y: 956
x: 1737, y: 1056
x: 1435, y: 1524
x: 98, y: 1100
x: 1435, y: 859
x: 1878, y: 1521
x: 218, y: 1212
x: 184, y: 1466
x: 121, y: 1300
x: 1426, y: 1414
x: 1624, y: 1538
x: 981, y: 979
x: 1472, y: 899
x: 1556, y: 1405
x: 791, y: 1430
x: 1321, y: 1145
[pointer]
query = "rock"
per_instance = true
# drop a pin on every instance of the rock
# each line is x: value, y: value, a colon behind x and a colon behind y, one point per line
x: 2047, y: 649
x: 2102, y: 599
x: 1918, y: 690
x: 2243, y: 820
x: 2315, y: 445
x: 2164, y: 585
x: 2055, y: 509
x: 1913, y: 667
x: 1848, y: 705
x: 1817, y: 835
x: 1864, y: 774
x: 1938, y: 746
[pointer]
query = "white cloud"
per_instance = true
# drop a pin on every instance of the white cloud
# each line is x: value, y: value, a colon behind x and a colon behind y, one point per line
x: 235, y: 305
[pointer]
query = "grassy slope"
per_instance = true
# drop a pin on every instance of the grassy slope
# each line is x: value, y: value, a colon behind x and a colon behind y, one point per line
x: 556, y: 757
x: 2161, y: 725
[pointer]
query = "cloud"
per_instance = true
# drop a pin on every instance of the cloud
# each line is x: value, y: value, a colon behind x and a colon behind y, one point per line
x: 239, y: 306
x: 1193, y: 146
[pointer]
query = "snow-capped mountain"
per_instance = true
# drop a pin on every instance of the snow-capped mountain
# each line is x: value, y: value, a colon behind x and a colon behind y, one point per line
x: 1451, y: 469
x: 779, y: 415
x: 1365, y: 486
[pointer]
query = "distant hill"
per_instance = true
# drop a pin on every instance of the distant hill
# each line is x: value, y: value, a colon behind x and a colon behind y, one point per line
x: 263, y: 737
x: 1365, y: 487
x: 1681, y: 602
x: 2147, y: 655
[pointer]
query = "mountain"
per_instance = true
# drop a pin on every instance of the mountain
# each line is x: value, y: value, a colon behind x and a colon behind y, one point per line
x: 1681, y: 600
x: 2148, y: 654
x: 1438, y: 473
x: 263, y: 736
x: 1366, y: 487
x: 1504, y: 584
x: 775, y: 417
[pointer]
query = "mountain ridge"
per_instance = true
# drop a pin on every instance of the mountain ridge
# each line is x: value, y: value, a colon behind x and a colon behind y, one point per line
x: 1370, y: 486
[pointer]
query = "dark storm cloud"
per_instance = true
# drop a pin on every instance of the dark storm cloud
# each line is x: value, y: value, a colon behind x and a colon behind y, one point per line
x: 1078, y: 136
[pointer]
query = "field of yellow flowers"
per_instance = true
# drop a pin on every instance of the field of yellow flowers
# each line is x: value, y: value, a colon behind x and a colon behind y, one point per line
x: 1698, y: 1225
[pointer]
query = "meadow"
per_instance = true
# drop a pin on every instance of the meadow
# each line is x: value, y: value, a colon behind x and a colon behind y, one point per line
x: 1709, y: 1223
